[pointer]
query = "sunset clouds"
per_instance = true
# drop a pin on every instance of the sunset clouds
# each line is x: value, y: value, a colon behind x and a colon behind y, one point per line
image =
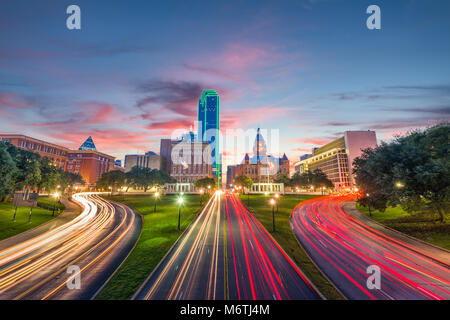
x: 134, y: 75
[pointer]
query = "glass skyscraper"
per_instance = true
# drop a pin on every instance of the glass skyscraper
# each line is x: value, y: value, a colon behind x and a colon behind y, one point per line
x: 209, y: 125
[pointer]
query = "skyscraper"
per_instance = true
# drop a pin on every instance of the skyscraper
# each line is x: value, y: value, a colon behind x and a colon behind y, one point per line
x: 209, y: 125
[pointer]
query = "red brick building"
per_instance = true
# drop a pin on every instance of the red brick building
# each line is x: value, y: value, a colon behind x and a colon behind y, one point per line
x: 57, y: 154
x: 87, y: 161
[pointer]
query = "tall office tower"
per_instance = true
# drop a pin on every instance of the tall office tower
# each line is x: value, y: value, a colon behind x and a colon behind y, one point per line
x: 209, y: 125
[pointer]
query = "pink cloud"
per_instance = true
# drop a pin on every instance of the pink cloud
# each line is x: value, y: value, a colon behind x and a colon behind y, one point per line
x: 11, y: 99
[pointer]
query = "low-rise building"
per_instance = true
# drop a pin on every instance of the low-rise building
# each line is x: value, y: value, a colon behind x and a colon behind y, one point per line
x: 86, y: 161
x: 335, y: 158
x: 186, y: 160
x: 261, y: 167
x: 148, y: 160
x: 57, y: 154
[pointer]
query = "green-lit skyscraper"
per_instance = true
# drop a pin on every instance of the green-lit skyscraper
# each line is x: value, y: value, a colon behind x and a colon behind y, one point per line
x: 209, y: 125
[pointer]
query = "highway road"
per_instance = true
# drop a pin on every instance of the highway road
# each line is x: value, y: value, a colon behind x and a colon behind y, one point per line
x: 96, y: 241
x: 344, y: 244
x: 226, y: 254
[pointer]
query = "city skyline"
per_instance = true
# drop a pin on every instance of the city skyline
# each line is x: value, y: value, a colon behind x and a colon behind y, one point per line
x: 284, y: 66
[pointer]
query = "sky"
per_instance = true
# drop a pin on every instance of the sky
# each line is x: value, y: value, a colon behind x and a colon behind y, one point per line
x: 134, y: 72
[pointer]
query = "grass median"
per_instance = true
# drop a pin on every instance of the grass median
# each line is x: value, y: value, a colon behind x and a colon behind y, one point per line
x: 425, y: 226
x: 261, y: 209
x: 41, y: 214
x: 159, y: 233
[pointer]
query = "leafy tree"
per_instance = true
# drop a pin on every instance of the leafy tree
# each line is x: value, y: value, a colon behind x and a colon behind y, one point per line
x: 320, y: 180
x: 28, y: 173
x: 245, y: 182
x: 114, y: 179
x: 282, y: 178
x: 50, y: 176
x: 204, y: 183
x: 7, y: 172
x: 146, y: 177
x: 413, y: 171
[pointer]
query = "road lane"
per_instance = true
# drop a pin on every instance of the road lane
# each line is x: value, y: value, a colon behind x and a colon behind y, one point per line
x: 100, y: 237
x: 226, y: 254
x: 344, y: 246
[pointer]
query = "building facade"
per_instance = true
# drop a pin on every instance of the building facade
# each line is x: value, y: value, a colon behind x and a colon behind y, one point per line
x: 89, y: 164
x: 186, y: 160
x: 86, y: 161
x: 148, y: 160
x: 209, y: 125
x: 261, y: 167
x: 56, y: 154
x: 335, y: 158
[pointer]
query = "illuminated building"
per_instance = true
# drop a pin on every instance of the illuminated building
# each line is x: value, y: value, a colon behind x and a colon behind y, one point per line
x: 261, y: 167
x: 57, y: 154
x: 209, y: 126
x: 148, y: 160
x: 335, y: 158
x: 86, y: 161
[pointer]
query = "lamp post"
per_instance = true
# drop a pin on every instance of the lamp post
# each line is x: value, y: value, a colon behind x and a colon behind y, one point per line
x: 156, y: 198
x: 399, y: 185
x: 56, y: 196
x: 370, y: 212
x: 272, y: 203
x: 180, y: 202
x: 201, y: 197
x: 277, y: 196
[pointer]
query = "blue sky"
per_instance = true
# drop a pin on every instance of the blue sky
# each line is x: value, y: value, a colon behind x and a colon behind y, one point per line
x: 135, y: 70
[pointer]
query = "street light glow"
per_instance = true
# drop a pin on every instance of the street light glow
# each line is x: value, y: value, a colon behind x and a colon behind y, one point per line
x: 156, y: 194
x: 56, y: 194
x: 399, y: 185
x: 277, y: 195
x: 180, y: 200
x: 272, y: 201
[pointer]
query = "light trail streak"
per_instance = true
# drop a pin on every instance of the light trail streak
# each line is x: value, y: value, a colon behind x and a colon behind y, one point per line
x: 253, y: 266
x: 36, y: 268
x: 343, y: 247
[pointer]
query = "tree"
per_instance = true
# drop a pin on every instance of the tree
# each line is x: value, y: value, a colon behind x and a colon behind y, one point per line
x: 282, y: 178
x: 114, y: 179
x: 28, y: 173
x: 412, y: 171
x: 7, y: 172
x: 320, y: 180
x: 146, y: 177
x: 245, y: 182
x: 50, y: 176
x: 204, y: 183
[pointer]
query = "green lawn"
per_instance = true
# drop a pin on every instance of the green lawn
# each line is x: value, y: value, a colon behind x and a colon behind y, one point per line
x: 159, y: 233
x: 40, y: 215
x: 261, y: 209
x: 425, y: 227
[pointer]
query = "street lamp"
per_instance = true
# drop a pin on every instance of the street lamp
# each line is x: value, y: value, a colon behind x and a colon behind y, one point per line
x: 399, y: 185
x: 277, y: 196
x: 156, y: 198
x: 272, y: 203
x: 180, y: 202
x: 201, y: 196
x: 56, y: 196
x: 370, y: 212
